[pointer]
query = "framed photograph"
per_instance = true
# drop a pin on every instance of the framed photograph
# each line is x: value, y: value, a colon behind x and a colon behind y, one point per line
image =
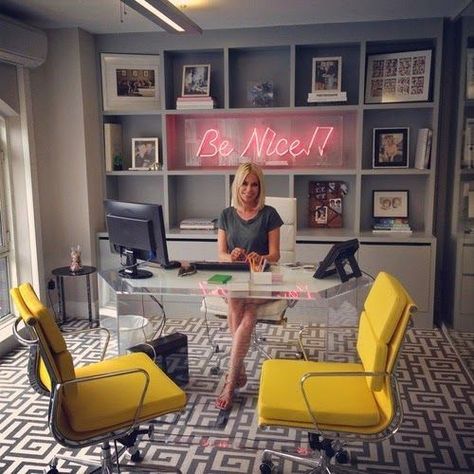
x: 326, y: 75
x: 145, y: 154
x: 196, y: 80
x: 398, y: 77
x: 390, y: 147
x: 260, y: 93
x: 390, y: 204
x: 130, y: 82
x: 470, y: 74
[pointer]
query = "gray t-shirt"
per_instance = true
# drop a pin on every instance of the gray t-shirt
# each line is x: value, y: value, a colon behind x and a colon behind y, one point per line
x: 251, y: 235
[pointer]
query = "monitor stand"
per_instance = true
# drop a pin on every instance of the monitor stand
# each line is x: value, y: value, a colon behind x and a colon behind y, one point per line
x: 135, y: 274
x: 171, y: 264
x: 131, y: 269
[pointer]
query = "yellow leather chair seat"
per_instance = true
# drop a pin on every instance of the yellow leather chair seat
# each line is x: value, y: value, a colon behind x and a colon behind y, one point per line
x: 334, y: 400
x: 113, y: 401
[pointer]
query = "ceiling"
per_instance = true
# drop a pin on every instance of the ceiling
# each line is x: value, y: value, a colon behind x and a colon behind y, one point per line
x: 107, y: 16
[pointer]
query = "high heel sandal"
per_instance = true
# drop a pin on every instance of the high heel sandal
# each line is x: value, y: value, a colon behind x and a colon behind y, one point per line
x: 224, y: 400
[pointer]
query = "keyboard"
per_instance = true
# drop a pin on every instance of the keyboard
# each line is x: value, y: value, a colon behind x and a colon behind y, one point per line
x: 221, y: 266
x: 224, y: 266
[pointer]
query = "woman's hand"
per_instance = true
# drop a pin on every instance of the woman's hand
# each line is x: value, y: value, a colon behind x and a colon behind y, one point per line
x: 238, y: 254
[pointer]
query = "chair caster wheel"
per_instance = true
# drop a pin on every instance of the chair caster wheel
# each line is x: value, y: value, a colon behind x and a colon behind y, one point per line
x: 215, y: 370
x: 342, y: 456
x: 266, y: 468
x: 51, y: 470
x: 135, y: 457
x: 299, y: 355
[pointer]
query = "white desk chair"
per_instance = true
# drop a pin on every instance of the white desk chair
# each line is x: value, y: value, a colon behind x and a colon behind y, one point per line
x: 272, y: 312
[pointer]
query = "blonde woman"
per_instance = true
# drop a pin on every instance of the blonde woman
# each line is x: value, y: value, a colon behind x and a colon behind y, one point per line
x: 247, y: 230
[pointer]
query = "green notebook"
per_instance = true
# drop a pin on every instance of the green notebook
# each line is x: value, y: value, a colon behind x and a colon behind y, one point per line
x: 219, y: 279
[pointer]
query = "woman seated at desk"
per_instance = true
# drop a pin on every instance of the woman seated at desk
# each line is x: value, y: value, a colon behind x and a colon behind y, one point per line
x: 247, y: 230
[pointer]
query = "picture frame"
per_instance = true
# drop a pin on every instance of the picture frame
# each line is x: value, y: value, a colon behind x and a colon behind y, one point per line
x: 130, y: 82
x: 145, y: 154
x: 390, y: 147
x: 390, y: 203
x: 398, y: 77
x: 196, y: 80
x: 326, y: 75
x: 470, y: 74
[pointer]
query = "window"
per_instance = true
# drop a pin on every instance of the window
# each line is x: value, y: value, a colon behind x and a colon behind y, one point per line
x: 4, y: 235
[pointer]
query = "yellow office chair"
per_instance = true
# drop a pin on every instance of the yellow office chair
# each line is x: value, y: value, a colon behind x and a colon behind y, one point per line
x: 272, y: 312
x: 337, y: 397
x: 99, y: 402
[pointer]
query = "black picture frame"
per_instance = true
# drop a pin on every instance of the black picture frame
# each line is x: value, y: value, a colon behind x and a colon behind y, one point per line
x: 390, y: 147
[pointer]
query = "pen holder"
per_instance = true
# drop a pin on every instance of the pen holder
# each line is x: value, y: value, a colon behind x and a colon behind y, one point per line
x: 261, y: 278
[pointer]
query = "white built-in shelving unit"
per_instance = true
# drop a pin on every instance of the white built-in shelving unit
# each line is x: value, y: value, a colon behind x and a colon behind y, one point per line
x: 284, y: 56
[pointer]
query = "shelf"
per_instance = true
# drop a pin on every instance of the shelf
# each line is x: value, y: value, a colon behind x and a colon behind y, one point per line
x: 135, y: 173
x: 132, y: 112
x: 399, y: 105
x: 395, y: 171
x: 467, y: 173
x: 414, y: 238
x: 175, y: 233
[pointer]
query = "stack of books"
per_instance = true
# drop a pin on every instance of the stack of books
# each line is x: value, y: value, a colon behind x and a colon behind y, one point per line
x: 326, y: 96
x: 190, y: 103
x: 198, y: 224
x: 391, y: 225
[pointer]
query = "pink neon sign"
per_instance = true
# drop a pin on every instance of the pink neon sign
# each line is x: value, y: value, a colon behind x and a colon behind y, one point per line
x: 264, y: 144
x: 270, y: 140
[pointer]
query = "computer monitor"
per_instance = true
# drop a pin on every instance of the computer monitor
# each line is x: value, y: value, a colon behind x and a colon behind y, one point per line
x: 338, y: 259
x: 137, y: 231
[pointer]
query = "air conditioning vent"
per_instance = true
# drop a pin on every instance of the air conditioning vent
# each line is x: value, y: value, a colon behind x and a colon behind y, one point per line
x: 21, y: 44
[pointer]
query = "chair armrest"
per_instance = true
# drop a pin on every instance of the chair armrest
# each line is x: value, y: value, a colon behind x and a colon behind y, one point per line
x: 306, y: 328
x: 19, y: 337
x: 57, y: 398
x: 392, y: 377
x: 85, y: 331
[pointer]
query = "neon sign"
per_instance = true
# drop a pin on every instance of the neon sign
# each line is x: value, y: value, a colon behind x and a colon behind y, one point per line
x: 300, y: 140
x: 266, y: 144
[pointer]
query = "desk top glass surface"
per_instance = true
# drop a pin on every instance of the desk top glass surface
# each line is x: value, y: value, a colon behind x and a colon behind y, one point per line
x: 296, y: 283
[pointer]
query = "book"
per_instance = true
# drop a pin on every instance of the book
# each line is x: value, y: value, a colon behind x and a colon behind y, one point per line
x: 423, y: 148
x: 219, y: 279
x: 428, y: 149
x: 185, y: 103
x: 112, y: 144
x: 389, y: 231
x: 198, y: 223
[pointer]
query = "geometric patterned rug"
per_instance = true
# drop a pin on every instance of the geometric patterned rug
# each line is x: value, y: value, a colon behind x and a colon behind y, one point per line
x: 436, y: 435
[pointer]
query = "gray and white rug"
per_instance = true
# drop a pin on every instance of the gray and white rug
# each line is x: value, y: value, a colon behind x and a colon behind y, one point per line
x: 437, y: 434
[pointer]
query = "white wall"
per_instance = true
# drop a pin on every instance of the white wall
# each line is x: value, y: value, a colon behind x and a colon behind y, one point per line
x: 67, y: 135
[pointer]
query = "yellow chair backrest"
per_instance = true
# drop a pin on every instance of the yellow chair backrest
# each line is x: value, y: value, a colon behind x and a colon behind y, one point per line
x: 382, y: 326
x: 53, y: 349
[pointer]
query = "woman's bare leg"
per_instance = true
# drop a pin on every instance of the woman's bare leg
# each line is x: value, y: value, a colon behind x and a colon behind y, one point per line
x: 240, y: 346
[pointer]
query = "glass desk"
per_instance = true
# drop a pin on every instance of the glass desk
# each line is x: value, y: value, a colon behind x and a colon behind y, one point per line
x: 317, y: 302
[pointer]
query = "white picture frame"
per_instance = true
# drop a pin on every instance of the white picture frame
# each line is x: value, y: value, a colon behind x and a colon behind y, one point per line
x: 398, y: 77
x: 470, y: 74
x: 196, y: 80
x: 390, y: 203
x: 326, y: 75
x: 130, y: 82
x: 145, y: 154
